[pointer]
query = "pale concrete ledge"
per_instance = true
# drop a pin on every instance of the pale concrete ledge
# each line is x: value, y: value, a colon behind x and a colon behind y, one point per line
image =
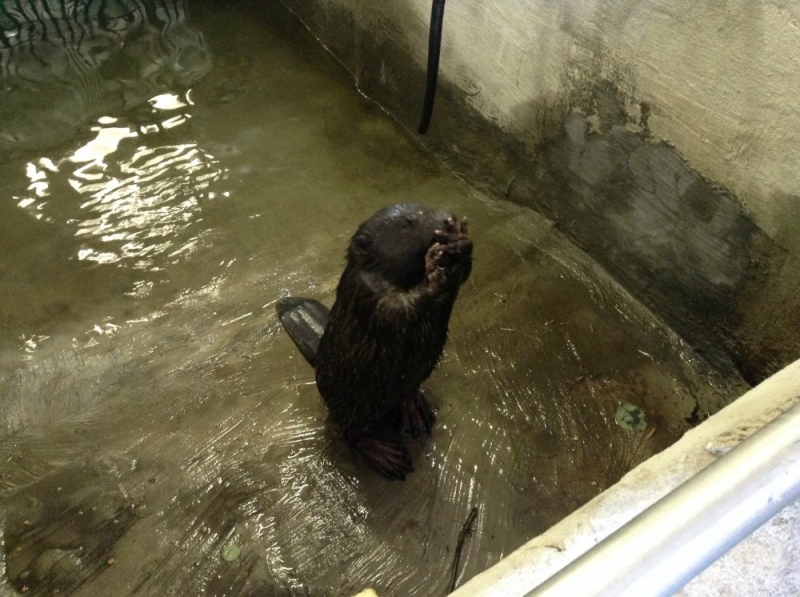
x: 764, y: 564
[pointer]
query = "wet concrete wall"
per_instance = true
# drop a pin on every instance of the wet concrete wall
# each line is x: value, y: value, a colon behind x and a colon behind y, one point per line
x: 660, y: 135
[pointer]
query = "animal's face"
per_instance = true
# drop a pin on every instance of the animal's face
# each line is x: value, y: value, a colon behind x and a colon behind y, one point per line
x: 394, y: 241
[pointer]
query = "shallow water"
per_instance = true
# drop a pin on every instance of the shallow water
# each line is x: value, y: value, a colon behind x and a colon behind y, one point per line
x: 162, y: 182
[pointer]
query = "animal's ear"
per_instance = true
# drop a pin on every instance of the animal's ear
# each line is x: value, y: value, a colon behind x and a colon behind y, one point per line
x: 361, y: 244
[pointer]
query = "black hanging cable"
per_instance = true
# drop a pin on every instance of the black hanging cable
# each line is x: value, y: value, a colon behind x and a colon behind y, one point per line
x: 434, y: 45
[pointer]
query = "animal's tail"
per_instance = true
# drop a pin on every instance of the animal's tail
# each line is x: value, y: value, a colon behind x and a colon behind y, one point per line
x: 304, y: 320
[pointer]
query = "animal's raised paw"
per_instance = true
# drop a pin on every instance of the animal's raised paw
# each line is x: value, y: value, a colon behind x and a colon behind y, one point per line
x: 418, y: 416
x: 455, y: 254
x: 391, y: 459
x: 452, y: 231
x: 433, y: 257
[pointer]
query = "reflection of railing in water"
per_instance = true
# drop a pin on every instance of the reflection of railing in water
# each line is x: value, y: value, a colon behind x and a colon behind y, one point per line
x: 71, y: 21
x: 64, y: 63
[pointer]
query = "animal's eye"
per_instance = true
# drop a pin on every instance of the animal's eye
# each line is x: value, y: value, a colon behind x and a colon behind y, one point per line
x: 408, y: 222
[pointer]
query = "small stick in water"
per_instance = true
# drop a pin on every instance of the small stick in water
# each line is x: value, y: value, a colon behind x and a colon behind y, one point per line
x: 462, y: 537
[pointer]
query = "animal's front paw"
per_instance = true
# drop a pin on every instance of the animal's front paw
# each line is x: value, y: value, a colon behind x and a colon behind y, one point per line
x: 448, y: 261
x: 452, y: 231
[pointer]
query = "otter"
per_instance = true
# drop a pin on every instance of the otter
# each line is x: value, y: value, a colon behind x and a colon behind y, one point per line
x: 386, y: 330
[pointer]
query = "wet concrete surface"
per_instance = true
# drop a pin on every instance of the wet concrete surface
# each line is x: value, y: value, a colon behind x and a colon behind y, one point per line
x: 162, y: 435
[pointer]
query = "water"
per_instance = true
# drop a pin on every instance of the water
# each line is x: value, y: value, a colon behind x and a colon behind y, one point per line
x: 164, y: 177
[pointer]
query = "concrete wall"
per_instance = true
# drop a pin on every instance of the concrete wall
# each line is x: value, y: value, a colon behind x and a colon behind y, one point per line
x: 721, y: 78
x: 660, y: 135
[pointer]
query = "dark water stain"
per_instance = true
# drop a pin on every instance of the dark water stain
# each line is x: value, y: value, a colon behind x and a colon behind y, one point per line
x: 61, y: 533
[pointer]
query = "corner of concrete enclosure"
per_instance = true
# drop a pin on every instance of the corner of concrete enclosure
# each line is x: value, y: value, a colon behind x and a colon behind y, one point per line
x: 661, y: 136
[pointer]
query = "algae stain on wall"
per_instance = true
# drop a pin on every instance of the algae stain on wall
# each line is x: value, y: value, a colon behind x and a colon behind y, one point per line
x: 687, y: 246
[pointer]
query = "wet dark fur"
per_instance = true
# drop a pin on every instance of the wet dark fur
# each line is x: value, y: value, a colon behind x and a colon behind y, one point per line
x: 388, y: 327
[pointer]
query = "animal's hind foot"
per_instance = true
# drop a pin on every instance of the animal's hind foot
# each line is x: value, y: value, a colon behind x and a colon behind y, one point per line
x: 418, y: 416
x: 391, y: 459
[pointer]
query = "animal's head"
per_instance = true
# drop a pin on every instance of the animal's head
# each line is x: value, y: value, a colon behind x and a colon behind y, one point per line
x: 394, y: 241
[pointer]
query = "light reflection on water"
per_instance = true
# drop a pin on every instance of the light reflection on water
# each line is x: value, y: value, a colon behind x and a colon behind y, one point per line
x: 138, y: 196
